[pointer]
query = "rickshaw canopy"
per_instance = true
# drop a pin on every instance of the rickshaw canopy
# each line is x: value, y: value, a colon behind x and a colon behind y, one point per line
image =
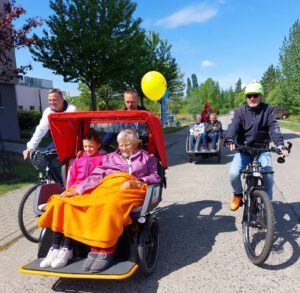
x: 68, y: 129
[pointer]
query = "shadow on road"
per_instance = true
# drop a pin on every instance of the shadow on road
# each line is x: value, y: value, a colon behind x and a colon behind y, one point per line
x: 187, y: 234
x: 285, y: 250
x: 287, y: 136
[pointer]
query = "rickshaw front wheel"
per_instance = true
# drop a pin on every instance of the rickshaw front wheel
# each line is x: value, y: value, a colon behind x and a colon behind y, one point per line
x: 148, y: 246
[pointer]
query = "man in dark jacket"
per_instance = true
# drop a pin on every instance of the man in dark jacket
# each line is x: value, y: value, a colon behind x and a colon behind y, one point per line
x: 131, y: 100
x: 253, y: 124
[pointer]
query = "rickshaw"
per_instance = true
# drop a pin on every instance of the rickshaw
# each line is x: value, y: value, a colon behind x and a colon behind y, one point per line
x: 195, y: 155
x: 138, y: 247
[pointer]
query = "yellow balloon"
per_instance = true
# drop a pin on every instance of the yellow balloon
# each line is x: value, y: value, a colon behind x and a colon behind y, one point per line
x: 154, y: 85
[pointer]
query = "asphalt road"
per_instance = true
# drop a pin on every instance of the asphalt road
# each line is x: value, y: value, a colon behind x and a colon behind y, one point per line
x: 201, y: 239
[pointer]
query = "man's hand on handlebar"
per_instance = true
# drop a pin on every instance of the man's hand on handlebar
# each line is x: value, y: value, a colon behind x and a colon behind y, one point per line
x: 285, y: 152
x: 26, y: 153
x: 230, y: 144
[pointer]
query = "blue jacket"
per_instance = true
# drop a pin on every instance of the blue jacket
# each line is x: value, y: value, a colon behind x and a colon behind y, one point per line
x: 254, y: 126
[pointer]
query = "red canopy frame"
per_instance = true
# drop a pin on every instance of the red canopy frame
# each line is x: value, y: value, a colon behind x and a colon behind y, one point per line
x: 68, y: 129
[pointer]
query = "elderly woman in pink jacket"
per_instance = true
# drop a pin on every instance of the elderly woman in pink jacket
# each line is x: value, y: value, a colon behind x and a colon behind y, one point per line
x: 96, y: 210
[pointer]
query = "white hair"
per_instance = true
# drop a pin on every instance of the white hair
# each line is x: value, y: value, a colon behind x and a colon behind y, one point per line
x: 129, y: 134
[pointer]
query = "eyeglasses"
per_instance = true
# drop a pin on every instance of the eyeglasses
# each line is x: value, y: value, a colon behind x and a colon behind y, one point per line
x: 255, y: 96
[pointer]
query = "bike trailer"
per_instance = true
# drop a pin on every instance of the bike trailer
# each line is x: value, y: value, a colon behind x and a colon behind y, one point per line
x: 138, y: 246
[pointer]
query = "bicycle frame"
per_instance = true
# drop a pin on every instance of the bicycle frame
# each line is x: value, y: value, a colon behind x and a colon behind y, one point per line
x: 48, y: 172
x: 254, y: 177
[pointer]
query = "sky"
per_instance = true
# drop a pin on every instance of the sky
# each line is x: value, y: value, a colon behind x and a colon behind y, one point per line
x: 224, y: 39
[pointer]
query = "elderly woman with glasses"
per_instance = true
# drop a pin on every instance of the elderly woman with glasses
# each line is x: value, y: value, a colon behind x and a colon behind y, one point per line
x: 95, y: 211
x: 253, y: 124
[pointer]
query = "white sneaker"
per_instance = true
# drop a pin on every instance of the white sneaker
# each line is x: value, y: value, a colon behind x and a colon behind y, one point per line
x: 62, y: 258
x: 52, y: 254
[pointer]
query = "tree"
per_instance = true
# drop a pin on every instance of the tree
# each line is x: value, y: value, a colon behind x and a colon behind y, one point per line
x: 91, y: 41
x: 195, y: 84
x: 12, y: 38
x: 270, y: 79
x: 289, y: 58
x: 238, y: 86
x: 161, y: 59
x: 188, y: 86
x: 106, y: 99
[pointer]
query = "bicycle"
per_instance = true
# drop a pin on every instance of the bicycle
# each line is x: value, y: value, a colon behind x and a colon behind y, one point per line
x: 28, y: 211
x: 258, y: 216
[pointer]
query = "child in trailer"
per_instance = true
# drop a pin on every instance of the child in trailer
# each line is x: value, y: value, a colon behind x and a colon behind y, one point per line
x: 87, y: 160
x: 81, y: 168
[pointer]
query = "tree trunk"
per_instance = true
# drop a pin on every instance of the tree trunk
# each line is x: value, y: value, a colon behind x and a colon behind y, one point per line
x: 93, y: 95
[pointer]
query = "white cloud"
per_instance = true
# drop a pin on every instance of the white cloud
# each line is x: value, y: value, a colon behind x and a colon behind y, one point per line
x: 207, y: 64
x: 195, y: 13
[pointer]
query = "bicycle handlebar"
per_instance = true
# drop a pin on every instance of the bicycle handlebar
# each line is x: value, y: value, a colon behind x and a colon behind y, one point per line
x: 39, y: 158
x: 258, y: 150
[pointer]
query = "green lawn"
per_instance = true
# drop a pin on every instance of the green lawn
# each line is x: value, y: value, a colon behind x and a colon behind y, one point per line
x: 292, y: 124
x: 25, y: 174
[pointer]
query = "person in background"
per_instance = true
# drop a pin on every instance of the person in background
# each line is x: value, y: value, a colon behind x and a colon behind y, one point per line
x: 253, y: 124
x: 206, y: 112
x: 57, y: 104
x: 87, y: 160
x: 196, y: 130
x: 131, y: 101
x: 213, y: 129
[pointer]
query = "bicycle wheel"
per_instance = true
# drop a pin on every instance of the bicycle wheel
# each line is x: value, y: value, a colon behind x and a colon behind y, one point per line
x: 258, y: 231
x: 26, y: 216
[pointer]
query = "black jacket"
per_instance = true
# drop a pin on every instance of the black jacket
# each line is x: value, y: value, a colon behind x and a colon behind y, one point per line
x: 254, y: 126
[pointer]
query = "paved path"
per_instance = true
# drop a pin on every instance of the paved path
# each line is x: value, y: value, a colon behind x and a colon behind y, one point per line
x: 201, y: 239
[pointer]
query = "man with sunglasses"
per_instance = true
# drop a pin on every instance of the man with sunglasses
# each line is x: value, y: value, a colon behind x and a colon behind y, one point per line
x: 253, y: 124
x: 57, y: 104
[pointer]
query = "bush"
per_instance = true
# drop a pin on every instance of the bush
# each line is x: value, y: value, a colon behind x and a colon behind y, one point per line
x: 28, y: 119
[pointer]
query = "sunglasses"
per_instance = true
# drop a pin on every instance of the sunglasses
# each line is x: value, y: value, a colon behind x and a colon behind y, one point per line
x: 253, y: 96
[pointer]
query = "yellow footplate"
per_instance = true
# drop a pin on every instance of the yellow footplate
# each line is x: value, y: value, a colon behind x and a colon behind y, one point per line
x: 119, y: 270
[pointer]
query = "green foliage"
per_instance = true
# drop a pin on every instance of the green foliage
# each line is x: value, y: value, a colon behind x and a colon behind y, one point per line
x: 195, y: 84
x: 238, y: 86
x: 290, y: 68
x: 188, y: 86
x: 106, y: 51
x: 239, y: 99
x: 270, y: 78
x: 28, y: 119
x: 159, y: 58
x: 105, y: 99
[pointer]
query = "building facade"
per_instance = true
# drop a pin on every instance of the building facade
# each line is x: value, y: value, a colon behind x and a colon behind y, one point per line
x: 32, y: 93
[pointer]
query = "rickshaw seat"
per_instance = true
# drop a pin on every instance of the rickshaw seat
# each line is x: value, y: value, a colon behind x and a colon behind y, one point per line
x: 44, y: 191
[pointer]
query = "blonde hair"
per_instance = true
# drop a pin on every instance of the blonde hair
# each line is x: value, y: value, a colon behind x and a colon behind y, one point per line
x: 129, y: 134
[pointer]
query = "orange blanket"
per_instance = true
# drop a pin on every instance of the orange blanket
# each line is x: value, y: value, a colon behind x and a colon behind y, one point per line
x: 98, y: 218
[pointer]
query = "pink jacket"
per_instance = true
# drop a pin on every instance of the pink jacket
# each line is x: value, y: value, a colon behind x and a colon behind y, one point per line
x: 83, y: 167
x: 142, y: 165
